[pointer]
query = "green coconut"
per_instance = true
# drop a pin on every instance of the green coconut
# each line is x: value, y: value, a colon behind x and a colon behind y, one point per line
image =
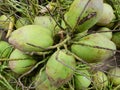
x: 107, y: 16
x: 106, y: 32
x: 45, y: 21
x: 100, y: 80
x: 23, y: 62
x: 5, y: 21
x: 84, y: 13
x: 5, y: 49
x: 89, y: 51
x: 114, y: 76
x: 42, y: 82
x: 22, y: 22
x: 82, y: 79
x: 59, y: 68
x: 116, y: 39
x: 31, y: 34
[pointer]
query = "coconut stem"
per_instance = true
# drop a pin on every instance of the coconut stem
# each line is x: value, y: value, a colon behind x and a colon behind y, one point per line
x: 6, y: 83
x: 15, y: 59
x: 116, y: 88
x: 10, y: 29
x: 52, y: 47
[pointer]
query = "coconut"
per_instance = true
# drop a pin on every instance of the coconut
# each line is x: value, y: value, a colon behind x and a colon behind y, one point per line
x: 31, y: 34
x: 82, y: 79
x: 5, y: 21
x: 107, y: 15
x: 100, y: 80
x: 22, y: 22
x: 45, y: 21
x: 116, y: 39
x: 5, y: 49
x: 84, y: 13
x: 42, y: 82
x: 89, y: 51
x: 59, y: 68
x: 114, y: 76
x: 107, y: 33
x: 23, y: 62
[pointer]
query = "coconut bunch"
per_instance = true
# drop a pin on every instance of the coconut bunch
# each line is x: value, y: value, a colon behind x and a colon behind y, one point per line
x: 59, y: 45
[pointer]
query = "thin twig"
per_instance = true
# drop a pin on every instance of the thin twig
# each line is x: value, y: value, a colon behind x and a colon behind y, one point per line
x: 26, y: 73
x: 54, y: 18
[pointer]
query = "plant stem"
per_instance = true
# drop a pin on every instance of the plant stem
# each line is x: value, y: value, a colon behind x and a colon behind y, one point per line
x: 7, y: 84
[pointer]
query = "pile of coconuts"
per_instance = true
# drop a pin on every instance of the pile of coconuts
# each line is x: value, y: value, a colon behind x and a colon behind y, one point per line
x: 59, y: 45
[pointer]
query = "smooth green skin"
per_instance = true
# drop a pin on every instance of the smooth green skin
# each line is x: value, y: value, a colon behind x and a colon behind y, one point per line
x: 115, y: 76
x: 42, y: 82
x: 22, y: 22
x: 90, y: 54
x: 40, y: 77
x: 100, y: 80
x: 33, y: 34
x: 106, y: 34
x: 82, y: 79
x: 107, y: 15
x: 77, y: 7
x: 57, y: 72
x: 45, y: 21
x: 116, y: 39
x: 5, y: 49
x: 5, y: 20
x: 21, y: 66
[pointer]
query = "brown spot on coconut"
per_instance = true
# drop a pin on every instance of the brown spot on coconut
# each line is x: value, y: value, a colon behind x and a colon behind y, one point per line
x: 83, y: 14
